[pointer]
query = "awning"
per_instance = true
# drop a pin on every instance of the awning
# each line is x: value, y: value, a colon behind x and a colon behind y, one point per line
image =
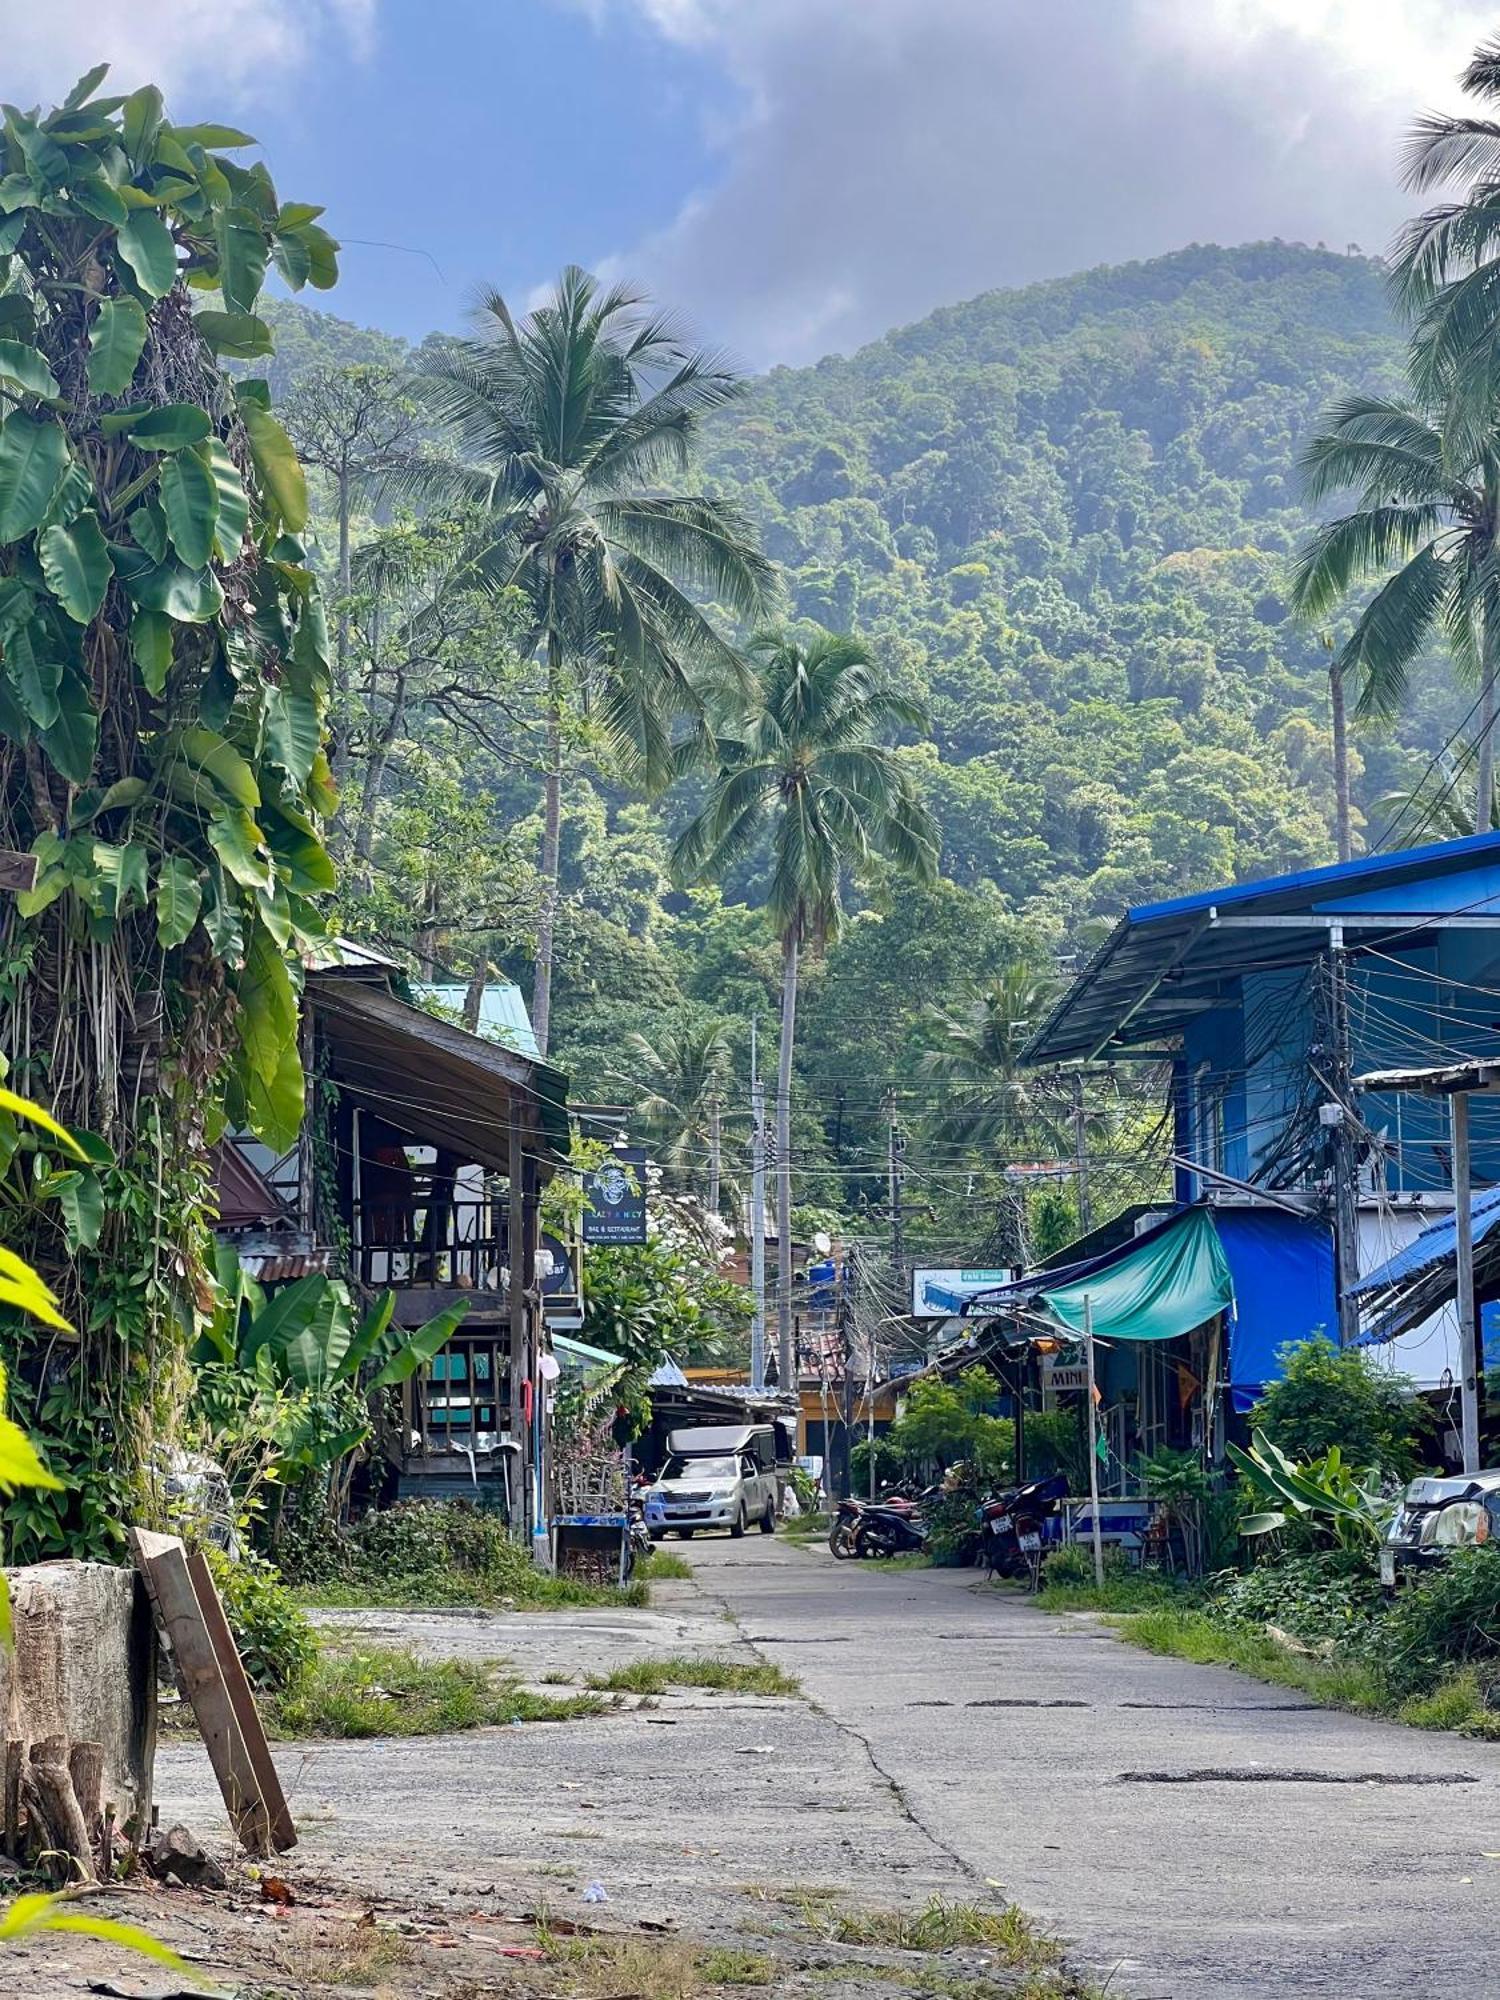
x: 1422, y: 1276
x: 1166, y: 1282
x: 578, y: 1354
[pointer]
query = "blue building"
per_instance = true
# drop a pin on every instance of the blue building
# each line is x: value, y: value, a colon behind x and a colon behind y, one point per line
x: 1262, y: 1001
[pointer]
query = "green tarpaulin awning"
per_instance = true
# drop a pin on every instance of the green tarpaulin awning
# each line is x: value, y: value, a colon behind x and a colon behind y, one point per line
x: 1163, y: 1288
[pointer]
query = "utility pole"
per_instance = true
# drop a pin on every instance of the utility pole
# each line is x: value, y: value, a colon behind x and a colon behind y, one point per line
x: 896, y: 1156
x: 1345, y: 1163
x: 1088, y: 1355
x: 757, y: 1219
x: 846, y: 1399
x: 1081, y: 1156
x: 714, y: 1142
x: 1463, y: 1215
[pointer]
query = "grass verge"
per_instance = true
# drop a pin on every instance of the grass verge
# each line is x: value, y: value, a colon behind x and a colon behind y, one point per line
x: 433, y: 1592
x: 728, y: 1677
x: 1337, y: 1683
x: 386, y: 1691
x: 939, y: 1925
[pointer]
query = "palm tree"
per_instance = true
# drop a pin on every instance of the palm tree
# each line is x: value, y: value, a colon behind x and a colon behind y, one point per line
x: 807, y: 764
x: 679, y: 1079
x: 1445, y: 263
x: 1425, y: 519
x: 978, y: 1049
x: 569, y: 431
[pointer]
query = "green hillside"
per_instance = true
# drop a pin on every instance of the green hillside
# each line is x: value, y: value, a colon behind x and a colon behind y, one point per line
x: 1065, y: 513
x: 1064, y: 516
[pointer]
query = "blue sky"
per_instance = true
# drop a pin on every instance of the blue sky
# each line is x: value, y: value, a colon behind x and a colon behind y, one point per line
x: 794, y: 176
x: 445, y: 139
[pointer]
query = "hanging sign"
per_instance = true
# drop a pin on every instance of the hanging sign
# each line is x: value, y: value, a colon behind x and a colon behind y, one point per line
x: 1064, y: 1376
x: 614, y: 1196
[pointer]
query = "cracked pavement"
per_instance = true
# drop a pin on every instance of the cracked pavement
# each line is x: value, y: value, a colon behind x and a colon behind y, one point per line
x: 1194, y: 1831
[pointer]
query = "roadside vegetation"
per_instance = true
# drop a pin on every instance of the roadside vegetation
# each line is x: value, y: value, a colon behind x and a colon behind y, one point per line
x: 1296, y: 1598
x: 388, y: 1691
x: 724, y: 1676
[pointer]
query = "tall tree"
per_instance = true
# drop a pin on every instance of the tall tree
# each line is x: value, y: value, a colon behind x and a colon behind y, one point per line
x: 571, y: 429
x: 1425, y: 520
x: 1446, y: 273
x: 348, y: 423
x: 163, y: 675
x: 994, y: 1103
x: 809, y: 766
x: 678, y: 1078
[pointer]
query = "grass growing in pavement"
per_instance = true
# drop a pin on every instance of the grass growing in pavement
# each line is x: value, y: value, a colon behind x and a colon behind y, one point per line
x: 662, y: 1566
x: 938, y: 1926
x: 1338, y: 1683
x: 385, y: 1691
x: 730, y: 1677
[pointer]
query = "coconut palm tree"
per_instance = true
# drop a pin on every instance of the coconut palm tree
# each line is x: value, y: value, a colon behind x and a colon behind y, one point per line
x: 1445, y: 263
x: 807, y: 767
x: 1427, y: 504
x: 978, y: 1050
x: 569, y: 431
x: 678, y: 1079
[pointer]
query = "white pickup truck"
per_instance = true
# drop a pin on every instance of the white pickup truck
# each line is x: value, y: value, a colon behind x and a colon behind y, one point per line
x: 716, y: 1476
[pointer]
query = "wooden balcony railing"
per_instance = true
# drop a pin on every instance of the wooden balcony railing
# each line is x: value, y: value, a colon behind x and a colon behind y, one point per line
x: 433, y: 1242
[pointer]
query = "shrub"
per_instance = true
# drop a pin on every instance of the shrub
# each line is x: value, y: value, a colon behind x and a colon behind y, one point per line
x: 1072, y: 1565
x: 445, y: 1551
x: 1331, y: 1397
x: 1327, y: 1594
x: 276, y: 1641
x: 1441, y: 1621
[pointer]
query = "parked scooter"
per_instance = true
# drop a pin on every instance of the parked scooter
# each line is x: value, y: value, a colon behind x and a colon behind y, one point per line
x: 1011, y: 1527
x: 893, y: 1528
x: 850, y: 1512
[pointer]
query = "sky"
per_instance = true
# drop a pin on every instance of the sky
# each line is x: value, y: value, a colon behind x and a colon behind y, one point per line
x: 795, y: 177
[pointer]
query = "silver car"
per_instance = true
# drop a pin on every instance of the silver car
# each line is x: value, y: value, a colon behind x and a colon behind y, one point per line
x: 727, y: 1491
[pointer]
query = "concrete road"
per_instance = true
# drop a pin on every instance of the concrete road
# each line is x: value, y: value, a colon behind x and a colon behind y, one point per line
x: 1197, y: 1832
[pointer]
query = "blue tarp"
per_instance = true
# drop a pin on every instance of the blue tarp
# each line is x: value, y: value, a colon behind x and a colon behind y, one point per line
x: 1283, y: 1290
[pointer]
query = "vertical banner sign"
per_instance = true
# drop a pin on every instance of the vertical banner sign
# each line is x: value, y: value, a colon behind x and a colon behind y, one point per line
x: 614, y: 1196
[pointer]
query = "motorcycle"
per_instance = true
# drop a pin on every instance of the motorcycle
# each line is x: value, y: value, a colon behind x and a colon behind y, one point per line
x: 848, y: 1515
x: 1011, y: 1527
x: 893, y: 1528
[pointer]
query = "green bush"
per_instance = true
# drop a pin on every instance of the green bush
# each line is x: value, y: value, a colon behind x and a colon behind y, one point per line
x: 275, y: 1640
x: 889, y: 1465
x: 1442, y: 1620
x: 1325, y: 1594
x: 1072, y: 1566
x: 436, y: 1551
x: 1331, y: 1397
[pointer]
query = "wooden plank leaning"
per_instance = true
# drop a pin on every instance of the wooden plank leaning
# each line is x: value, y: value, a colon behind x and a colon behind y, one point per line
x: 163, y: 1562
x: 242, y: 1701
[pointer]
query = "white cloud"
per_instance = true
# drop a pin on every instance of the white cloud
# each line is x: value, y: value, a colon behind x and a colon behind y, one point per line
x: 242, y: 48
x: 894, y: 155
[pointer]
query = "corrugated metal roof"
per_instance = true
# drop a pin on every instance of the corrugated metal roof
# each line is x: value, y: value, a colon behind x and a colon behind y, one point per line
x: 502, y: 1012
x: 1434, y: 1246
x: 1164, y: 962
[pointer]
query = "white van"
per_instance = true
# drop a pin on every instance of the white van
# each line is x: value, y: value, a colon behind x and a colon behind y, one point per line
x: 716, y: 1476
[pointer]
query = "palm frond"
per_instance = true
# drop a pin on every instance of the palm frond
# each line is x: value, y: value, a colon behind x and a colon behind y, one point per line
x: 1392, y: 630
x: 1354, y: 548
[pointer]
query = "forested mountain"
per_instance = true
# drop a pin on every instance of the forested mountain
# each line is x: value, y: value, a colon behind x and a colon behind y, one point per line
x: 1063, y: 515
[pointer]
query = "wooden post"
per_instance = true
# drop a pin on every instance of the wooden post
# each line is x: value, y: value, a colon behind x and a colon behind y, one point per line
x: 1088, y: 1355
x: 162, y: 1561
x: 1463, y: 1216
x: 530, y: 1244
x: 516, y: 1301
x: 242, y: 1701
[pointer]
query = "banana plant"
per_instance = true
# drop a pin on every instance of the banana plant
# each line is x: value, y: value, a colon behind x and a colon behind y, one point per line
x: 1324, y: 1495
x: 304, y: 1351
